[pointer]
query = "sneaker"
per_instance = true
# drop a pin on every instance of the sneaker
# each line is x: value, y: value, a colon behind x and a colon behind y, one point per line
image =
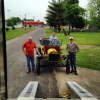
x: 71, y: 71
x: 75, y: 73
x: 34, y: 71
x: 28, y: 71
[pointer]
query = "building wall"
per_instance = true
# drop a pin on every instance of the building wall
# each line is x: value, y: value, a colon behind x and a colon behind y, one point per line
x: 32, y: 23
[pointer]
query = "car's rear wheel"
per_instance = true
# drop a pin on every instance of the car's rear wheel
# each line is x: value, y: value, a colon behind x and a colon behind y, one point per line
x: 38, y: 65
x: 68, y: 65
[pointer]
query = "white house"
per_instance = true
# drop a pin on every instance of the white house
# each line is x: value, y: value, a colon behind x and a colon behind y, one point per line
x: 19, y: 25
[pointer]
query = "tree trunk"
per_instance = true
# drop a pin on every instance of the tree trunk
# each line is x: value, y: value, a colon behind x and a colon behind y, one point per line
x: 64, y: 32
x: 72, y: 28
x: 55, y: 29
x: 69, y: 30
x: 61, y: 24
x: 59, y: 31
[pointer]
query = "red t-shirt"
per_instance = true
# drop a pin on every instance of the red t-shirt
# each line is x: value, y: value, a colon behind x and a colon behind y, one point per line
x: 29, y: 48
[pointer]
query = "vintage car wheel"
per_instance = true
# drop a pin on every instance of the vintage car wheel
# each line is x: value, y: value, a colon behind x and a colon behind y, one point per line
x: 38, y: 65
x: 68, y: 66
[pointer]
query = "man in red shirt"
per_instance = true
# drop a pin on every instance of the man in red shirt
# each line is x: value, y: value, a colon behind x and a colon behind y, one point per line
x: 29, y: 52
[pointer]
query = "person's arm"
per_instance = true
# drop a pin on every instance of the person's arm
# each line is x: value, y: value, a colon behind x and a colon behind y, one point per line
x: 57, y: 37
x: 50, y: 38
x: 77, y: 48
x: 23, y: 46
x: 67, y: 49
x: 24, y: 51
x: 37, y: 51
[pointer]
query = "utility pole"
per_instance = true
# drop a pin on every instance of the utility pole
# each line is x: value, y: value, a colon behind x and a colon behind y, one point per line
x: 33, y: 21
x: 9, y: 12
x: 33, y: 18
x: 25, y: 21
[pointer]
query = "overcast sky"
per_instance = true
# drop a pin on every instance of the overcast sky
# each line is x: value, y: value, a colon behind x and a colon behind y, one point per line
x: 36, y: 8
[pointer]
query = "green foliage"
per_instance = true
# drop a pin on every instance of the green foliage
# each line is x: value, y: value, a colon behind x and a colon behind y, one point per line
x: 43, y: 23
x: 27, y: 19
x: 30, y: 25
x: 13, y: 28
x: 11, y: 22
x: 94, y: 12
x: 55, y: 12
x: 73, y: 14
x: 18, y: 19
x: 79, y: 22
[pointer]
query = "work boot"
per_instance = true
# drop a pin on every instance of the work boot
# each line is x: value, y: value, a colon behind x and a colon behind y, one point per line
x: 71, y: 71
x: 75, y: 73
x: 28, y: 71
x: 34, y: 71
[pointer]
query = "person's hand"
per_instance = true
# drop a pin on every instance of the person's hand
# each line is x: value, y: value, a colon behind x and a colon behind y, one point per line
x: 39, y: 53
x: 68, y: 54
x: 74, y: 53
x: 26, y: 53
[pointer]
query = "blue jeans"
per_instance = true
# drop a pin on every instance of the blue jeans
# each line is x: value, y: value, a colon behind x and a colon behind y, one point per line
x: 28, y: 62
x: 73, y: 61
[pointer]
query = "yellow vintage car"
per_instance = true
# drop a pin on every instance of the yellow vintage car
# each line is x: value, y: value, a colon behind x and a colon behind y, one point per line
x: 51, y: 51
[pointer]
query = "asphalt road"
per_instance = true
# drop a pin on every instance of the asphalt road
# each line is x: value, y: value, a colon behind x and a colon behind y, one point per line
x: 18, y: 77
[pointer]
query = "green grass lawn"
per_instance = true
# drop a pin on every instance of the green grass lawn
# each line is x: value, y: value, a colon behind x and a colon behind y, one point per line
x: 17, y: 32
x: 89, y: 43
x: 81, y: 38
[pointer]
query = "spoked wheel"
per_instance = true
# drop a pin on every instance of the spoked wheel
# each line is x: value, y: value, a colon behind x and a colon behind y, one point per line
x: 68, y: 65
x: 38, y: 65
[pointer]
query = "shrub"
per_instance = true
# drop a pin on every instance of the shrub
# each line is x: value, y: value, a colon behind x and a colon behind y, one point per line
x: 98, y: 30
x: 30, y: 25
x: 13, y: 28
x: 7, y: 29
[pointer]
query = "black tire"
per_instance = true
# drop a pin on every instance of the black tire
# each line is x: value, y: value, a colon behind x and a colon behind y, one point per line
x: 68, y: 66
x: 38, y: 65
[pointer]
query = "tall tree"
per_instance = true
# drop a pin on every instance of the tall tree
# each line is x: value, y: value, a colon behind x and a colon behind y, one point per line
x: 43, y: 23
x: 18, y: 19
x: 54, y: 15
x: 11, y: 22
x: 73, y: 14
x: 94, y: 12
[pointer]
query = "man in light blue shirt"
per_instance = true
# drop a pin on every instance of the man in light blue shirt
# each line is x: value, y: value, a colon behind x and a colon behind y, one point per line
x: 54, y: 37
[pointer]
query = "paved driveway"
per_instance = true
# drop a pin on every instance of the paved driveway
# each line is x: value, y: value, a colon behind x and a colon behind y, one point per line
x: 18, y: 77
x: 87, y: 78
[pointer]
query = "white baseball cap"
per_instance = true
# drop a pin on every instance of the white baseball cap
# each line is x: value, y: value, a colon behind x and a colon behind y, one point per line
x: 71, y: 38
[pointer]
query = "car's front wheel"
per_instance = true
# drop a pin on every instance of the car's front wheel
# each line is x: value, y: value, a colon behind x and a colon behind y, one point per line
x: 38, y: 65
